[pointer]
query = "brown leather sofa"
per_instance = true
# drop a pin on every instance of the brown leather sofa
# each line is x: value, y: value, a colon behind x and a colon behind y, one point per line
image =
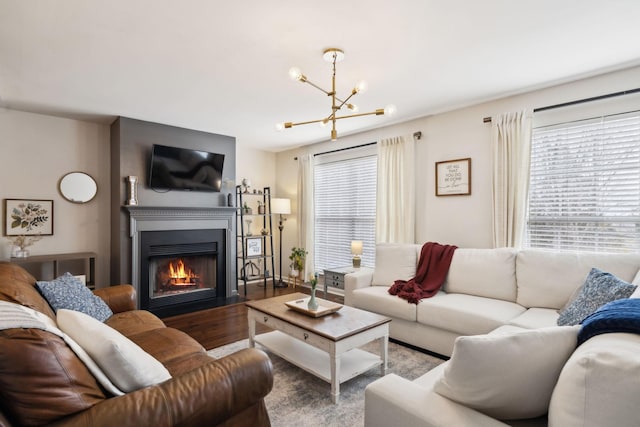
x: 42, y: 381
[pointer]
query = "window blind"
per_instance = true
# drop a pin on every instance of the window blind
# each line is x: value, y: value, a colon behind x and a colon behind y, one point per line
x: 345, y: 210
x: 584, y: 192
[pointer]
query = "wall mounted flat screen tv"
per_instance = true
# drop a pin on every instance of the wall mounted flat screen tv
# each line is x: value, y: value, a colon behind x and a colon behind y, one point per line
x: 174, y: 168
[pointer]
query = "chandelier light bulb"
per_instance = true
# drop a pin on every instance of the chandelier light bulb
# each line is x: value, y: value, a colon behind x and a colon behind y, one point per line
x: 295, y: 73
x: 353, y: 107
x: 279, y: 127
x: 361, y: 87
x: 390, y: 109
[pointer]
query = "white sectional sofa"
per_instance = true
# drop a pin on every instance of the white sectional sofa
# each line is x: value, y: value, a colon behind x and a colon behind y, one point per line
x: 485, y: 289
x: 506, y: 302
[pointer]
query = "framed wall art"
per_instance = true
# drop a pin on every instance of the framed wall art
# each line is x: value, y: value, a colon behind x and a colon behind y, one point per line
x: 453, y: 177
x: 28, y: 217
x: 254, y: 246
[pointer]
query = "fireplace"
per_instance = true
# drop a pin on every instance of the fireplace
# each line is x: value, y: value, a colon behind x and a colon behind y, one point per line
x: 182, y: 258
x: 181, y: 268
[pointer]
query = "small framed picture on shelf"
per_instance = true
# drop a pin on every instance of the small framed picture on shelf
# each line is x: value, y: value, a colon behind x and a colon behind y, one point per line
x: 254, y: 246
x: 28, y: 217
x: 453, y: 177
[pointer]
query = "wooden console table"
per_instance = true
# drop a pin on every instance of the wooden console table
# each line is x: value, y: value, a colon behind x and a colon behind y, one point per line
x: 48, y: 267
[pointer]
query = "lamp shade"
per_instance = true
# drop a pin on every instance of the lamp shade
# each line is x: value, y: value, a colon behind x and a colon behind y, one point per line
x: 356, y: 247
x: 281, y: 206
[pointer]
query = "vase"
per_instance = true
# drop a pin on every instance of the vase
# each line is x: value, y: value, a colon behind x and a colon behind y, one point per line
x: 21, y: 253
x: 312, y: 304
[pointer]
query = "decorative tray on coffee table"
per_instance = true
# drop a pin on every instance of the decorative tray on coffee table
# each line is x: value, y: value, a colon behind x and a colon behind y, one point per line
x: 324, y: 307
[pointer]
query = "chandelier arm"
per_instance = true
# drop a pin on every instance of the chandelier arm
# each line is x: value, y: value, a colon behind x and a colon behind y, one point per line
x: 378, y: 112
x: 326, y: 92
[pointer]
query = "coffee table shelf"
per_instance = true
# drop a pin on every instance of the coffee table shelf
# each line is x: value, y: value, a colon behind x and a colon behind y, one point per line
x: 315, y: 361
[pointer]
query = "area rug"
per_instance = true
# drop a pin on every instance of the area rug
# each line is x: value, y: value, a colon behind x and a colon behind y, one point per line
x: 301, y: 399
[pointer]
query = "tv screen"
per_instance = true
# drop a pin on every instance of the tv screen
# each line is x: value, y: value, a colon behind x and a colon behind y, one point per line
x: 184, y: 169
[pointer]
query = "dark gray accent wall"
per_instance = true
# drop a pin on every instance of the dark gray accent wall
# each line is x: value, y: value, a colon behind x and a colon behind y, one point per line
x: 131, y: 142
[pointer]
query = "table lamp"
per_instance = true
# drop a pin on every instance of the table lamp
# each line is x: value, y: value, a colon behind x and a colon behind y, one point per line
x: 356, y: 250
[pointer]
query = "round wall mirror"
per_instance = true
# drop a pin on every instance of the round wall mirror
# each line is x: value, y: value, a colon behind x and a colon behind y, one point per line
x: 78, y: 187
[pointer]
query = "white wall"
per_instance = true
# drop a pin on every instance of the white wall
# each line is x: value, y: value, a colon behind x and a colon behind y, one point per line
x: 35, y: 152
x: 461, y: 220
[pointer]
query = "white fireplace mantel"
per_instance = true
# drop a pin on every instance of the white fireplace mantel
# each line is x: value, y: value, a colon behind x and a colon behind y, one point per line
x: 166, y: 218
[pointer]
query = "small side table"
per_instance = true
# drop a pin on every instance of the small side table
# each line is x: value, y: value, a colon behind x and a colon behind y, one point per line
x: 334, y: 277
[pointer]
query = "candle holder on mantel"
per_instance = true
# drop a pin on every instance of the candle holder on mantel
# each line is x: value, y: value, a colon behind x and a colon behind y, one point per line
x: 132, y: 190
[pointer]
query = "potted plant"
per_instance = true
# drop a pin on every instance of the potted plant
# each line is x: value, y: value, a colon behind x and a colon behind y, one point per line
x: 297, y: 260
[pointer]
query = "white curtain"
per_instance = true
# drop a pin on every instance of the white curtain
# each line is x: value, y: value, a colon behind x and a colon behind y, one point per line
x: 306, y: 210
x: 511, y: 149
x: 395, y: 201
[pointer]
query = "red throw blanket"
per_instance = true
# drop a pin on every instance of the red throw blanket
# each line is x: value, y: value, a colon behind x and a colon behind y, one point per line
x: 433, y: 267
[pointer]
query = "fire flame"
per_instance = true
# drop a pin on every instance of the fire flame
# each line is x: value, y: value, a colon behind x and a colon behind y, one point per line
x: 180, y: 273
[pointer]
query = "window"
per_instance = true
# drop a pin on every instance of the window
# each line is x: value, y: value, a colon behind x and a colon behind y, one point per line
x: 584, y: 190
x: 345, y: 206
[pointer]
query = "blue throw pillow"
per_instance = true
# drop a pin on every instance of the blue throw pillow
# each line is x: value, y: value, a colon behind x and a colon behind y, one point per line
x: 69, y: 292
x: 599, y: 289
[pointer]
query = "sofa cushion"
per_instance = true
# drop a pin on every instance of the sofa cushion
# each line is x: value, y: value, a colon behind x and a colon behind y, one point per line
x: 598, y: 385
x: 535, y: 318
x: 487, y: 273
x: 124, y: 362
x: 466, y: 314
x: 395, y: 262
x: 134, y: 322
x: 547, y: 279
x: 507, y: 376
x: 18, y: 286
x: 599, y: 288
x: 69, y: 292
x: 378, y: 300
x: 41, y: 379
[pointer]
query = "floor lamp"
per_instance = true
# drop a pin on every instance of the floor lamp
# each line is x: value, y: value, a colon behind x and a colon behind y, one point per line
x: 281, y: 207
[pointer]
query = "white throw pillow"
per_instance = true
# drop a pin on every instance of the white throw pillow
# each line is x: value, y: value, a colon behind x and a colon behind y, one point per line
x: 508, y: 376
x: 127, y: 365
x: 394, y: 262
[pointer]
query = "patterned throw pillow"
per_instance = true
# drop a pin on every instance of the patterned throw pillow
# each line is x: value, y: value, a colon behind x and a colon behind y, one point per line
x: 599, y: 289
x: 70, y: 293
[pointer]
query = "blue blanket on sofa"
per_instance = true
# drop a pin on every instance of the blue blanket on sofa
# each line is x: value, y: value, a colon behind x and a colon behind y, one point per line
x: 622, y: 315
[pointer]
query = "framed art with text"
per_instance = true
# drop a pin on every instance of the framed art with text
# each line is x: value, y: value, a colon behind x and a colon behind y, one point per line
x: 28, y: 217
x: 254, y: 246
x: 453, y: 177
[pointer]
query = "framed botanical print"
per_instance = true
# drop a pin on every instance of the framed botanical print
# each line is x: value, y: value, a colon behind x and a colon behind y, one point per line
x: 28, y: 217
x: 453, y: 177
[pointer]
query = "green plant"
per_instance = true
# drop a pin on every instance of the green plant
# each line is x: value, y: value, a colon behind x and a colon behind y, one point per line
x: 297, y: 258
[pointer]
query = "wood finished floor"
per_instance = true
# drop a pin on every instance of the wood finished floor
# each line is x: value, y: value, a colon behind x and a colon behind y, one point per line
x: 219, y: 326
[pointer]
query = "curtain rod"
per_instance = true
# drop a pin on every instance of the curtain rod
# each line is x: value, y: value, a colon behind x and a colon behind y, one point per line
x: 579, y: 101
x: 417, y: 135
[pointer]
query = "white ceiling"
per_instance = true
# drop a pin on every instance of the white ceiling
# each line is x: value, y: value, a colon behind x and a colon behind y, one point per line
x: 222, y: 66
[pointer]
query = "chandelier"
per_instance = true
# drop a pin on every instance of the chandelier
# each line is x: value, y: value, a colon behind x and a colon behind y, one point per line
x: 334, y: 55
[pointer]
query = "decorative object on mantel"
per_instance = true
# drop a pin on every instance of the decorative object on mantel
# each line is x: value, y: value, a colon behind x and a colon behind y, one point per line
x: 28, y: 217
x: 132, y: 190
x: 333, y: 55
x: 453, y: 177
x: 356, y: 250
x: 21, y: 243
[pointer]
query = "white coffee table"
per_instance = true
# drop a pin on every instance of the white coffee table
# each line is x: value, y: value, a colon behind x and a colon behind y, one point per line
x: 327, y: 346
